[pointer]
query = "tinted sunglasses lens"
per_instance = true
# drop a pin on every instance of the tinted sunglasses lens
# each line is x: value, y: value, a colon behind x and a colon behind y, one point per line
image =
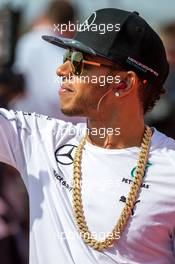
x: 77, y: 62
x: 67, y: 56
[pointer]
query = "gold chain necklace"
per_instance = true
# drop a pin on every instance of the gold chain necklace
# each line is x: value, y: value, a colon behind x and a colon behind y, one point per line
x: 130, y: 201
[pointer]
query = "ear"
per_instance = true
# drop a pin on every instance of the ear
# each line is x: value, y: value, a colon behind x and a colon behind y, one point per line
x: 131, y: 80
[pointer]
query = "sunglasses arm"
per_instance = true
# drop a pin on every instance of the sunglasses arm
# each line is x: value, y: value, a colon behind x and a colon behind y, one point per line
x: 92, y: 63
x: 97, y: 64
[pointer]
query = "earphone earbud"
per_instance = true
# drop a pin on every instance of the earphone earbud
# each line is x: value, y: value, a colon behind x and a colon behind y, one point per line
x: 122, y: 85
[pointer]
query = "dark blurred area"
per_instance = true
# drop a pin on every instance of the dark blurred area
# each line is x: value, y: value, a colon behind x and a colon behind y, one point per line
x: 162, y: 116
x: 11, y: 83
x: 14, y: 217
x: 11, y: 86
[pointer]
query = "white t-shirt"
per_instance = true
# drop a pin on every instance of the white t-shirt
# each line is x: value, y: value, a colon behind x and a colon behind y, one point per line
x: 42, y: 150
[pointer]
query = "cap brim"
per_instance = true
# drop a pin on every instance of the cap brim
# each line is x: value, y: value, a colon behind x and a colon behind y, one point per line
x: 69, y: 43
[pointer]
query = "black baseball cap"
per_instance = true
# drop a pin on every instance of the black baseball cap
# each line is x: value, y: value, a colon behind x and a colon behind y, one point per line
x: 128, y: 40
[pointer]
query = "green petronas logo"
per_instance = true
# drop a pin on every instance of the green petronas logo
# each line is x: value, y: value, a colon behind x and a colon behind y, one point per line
x: 146, y: 168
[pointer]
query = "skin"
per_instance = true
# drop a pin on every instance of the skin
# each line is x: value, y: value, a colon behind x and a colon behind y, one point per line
x: 124, y: 112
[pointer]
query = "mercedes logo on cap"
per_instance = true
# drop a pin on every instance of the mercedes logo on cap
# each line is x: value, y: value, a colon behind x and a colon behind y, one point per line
x: 88, y: 22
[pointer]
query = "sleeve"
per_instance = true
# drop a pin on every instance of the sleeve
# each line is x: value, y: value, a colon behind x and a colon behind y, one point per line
x: 11, y: 151
x: 19, y: 132
x: 23, y: 134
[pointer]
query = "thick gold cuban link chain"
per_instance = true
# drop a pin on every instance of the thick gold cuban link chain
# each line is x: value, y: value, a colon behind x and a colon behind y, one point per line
x: 130, y: 201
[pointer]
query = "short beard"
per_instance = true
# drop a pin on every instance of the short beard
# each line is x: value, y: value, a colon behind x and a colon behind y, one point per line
x: 72, y: 112
x: 77, y: 110
x: 81, y: 107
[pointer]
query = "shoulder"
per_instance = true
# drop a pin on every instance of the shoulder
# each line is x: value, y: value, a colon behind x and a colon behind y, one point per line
x: 23, y: 119
x: 34, y: 123
x: 163, y: 147
x: 27, y: 120
x: 162, y: 141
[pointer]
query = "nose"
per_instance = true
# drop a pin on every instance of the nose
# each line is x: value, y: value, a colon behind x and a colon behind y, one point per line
x: 64, y: 69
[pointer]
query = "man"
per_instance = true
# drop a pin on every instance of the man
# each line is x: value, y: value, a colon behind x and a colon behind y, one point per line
x: 101, y: 193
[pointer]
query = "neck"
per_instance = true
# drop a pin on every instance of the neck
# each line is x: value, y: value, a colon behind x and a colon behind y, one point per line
x: 122, y: 134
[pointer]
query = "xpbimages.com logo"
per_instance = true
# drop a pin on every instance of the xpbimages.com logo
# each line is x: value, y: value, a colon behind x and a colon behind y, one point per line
x: 101, y: 132
x: 101, y: 80
x: 93, y: 235
x: 88, y: 25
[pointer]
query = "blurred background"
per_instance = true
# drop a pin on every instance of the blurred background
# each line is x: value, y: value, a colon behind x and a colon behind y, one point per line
x: 28, y: 82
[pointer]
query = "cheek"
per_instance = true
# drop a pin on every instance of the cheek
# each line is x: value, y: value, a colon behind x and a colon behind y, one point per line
x: 89, y: 91
x: 89, y: 85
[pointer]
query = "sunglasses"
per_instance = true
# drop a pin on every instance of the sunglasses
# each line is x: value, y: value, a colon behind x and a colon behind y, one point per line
x: 77, y: 61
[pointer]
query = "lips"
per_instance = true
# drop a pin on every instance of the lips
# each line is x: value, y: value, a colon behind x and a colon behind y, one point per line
x: 65, y: 89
